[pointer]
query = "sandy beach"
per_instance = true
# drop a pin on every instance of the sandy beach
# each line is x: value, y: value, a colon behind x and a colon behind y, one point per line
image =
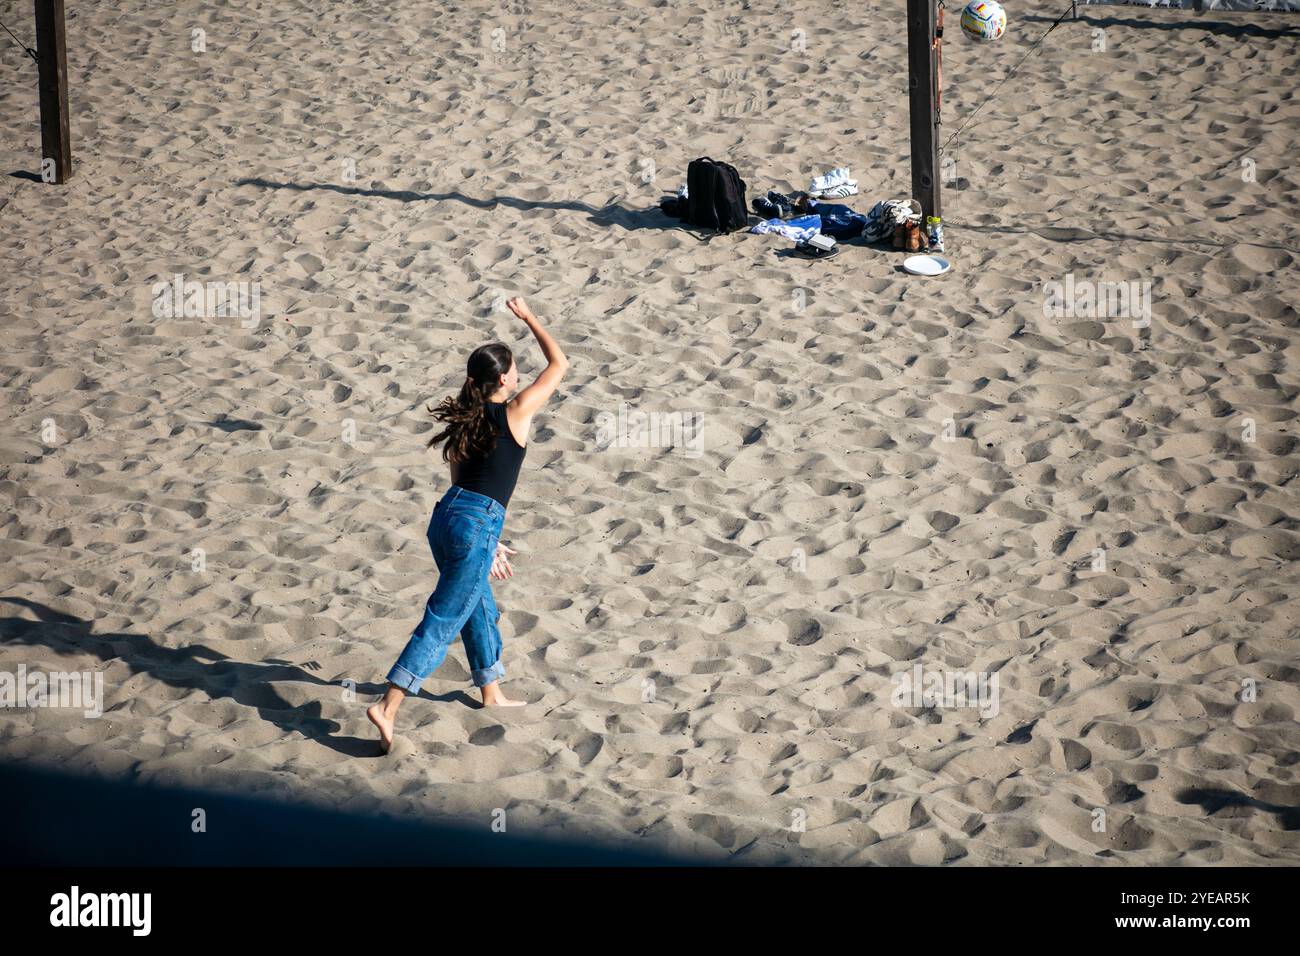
x: 225, y: 515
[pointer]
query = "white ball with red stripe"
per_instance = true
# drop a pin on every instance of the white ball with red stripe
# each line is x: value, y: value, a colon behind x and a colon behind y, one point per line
x: 984, y: 20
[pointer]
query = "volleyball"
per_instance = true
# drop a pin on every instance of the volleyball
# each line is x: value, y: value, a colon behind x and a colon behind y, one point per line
x: 984, y: 20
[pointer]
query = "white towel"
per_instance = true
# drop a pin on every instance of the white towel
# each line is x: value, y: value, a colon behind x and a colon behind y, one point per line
x: 804, y: 227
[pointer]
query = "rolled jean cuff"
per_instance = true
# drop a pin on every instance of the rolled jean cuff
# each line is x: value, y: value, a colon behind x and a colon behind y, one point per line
x: 404, y: 679
x: 487, y: 675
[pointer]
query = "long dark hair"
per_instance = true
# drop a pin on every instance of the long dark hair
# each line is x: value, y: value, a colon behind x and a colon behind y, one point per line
x: 469, y: 432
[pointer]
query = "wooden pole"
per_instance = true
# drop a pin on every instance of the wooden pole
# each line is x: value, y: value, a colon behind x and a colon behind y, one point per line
x: 922, y: 83
x: 52, y: 54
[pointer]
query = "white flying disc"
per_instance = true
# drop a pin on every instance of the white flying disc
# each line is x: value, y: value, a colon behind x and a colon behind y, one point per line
x: 926, y: 265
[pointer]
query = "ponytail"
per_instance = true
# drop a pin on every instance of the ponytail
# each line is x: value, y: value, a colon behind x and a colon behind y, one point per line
x: 469, y: 433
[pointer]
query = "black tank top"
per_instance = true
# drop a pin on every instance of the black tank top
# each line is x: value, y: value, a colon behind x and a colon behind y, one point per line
x: 495, y: 473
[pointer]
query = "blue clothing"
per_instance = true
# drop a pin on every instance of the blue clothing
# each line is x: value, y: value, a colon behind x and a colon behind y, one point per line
x: 801, y: 229
x: 838, y: 222
x: 463, y: 535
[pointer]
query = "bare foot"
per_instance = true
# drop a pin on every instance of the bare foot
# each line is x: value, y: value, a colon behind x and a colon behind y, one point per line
x: 385, y: 724
x: 492, y: 697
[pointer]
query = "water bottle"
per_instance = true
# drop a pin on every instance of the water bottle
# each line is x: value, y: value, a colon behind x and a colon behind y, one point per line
x: 934, y: 231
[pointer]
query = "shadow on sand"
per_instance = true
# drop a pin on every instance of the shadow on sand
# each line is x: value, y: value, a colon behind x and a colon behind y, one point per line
x: 654, y: 218
x: 197, y: 667
x: 56, y: 819
x: 1192, y: 21
x: 613, y: 214
x: 1073, y: 234
x: 1213, y: 800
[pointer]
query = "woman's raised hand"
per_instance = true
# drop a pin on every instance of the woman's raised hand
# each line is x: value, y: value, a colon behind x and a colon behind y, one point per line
x: 520, y: 308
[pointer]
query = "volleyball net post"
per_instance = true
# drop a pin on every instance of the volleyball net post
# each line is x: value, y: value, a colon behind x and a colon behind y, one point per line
x: 52, y: 68
x: 922, y: 92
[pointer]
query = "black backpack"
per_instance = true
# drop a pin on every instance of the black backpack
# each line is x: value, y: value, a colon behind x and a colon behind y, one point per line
x: 715, y: 196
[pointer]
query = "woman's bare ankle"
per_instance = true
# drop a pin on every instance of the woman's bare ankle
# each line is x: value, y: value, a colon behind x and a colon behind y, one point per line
x: 493, y: 697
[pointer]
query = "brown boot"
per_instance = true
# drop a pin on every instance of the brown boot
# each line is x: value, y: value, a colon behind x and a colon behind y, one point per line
x: 913, y: 237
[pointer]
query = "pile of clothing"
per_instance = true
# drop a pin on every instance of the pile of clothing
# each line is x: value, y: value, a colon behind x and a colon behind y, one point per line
x: 713, y: 199
x: 801, y: 215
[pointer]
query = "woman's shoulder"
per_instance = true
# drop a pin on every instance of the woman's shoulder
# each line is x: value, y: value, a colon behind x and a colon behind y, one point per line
x: 506, y: 428
x: 496, y: 413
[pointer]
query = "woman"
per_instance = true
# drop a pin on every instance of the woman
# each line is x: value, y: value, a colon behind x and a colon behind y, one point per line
x: 485, y: 439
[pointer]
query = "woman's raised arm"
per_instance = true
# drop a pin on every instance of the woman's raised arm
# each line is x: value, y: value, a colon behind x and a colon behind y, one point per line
x: 525, y: 404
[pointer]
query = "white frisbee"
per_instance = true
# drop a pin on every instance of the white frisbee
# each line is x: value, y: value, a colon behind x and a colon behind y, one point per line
x: 926, y: 265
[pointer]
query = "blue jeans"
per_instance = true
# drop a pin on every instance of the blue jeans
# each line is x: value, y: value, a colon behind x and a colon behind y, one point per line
x: 463, y: 535
x: 838, y: 220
